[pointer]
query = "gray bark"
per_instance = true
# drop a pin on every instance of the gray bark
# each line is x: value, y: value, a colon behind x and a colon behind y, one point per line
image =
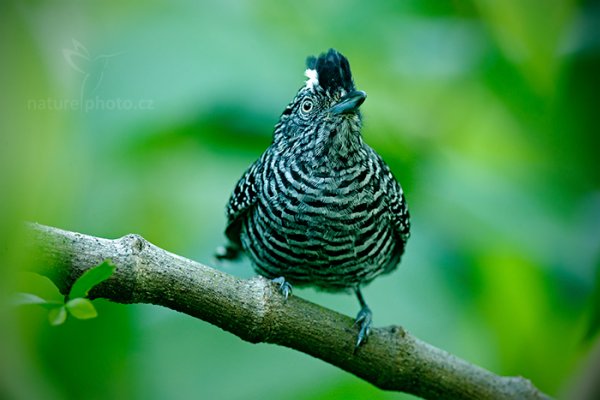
x: 254, y: 310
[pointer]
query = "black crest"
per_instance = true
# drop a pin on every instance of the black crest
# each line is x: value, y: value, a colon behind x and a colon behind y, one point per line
x: 333, y: 71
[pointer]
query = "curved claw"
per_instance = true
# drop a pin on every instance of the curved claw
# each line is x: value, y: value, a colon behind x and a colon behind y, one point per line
x: 284, y: 286
x: 364, y: 320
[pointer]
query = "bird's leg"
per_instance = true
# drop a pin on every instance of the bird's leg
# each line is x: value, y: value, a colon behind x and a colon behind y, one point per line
x: 363, y: 319
x: 284, y: 286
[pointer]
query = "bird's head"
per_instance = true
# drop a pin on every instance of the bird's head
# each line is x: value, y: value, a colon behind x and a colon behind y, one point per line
x: 325, y: 111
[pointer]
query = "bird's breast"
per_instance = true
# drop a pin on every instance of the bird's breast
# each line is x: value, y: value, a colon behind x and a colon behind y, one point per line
x: 320, y: 207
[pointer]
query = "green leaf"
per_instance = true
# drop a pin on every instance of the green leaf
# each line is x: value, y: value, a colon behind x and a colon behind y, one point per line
x: 57, y: 315
x: 22, y: 299
x: 81, y: 308
x: 42, y: 286
x: 27, y: 298
x: 91, y: 278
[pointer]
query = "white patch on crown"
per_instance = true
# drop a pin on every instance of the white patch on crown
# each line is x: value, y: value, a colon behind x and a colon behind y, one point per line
x: 313, y: 78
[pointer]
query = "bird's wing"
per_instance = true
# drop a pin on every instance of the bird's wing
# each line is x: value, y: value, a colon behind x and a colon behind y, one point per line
x: 241, y: 201
x: 398, y: 210
x: 396, y: 202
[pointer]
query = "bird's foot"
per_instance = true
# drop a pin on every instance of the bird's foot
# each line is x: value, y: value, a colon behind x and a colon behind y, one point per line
x: 363, y: 320
x: 284, y: 286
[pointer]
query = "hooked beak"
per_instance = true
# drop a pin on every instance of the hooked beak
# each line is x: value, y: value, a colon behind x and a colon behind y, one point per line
x: 349, y: 103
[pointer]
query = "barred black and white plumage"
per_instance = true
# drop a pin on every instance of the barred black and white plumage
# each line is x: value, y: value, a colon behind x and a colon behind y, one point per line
x: 320, y: 207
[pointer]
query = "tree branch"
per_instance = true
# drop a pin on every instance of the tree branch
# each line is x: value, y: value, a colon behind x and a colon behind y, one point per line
x: 391, y: 359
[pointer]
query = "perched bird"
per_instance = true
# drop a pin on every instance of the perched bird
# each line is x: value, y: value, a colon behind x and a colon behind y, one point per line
x: 320, y: 207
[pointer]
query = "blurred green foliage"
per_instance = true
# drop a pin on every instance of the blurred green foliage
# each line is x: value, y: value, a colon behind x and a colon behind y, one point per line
x: 123, y: 117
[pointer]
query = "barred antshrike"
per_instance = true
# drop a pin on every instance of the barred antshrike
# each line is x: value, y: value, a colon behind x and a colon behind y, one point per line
x: 320, y: 207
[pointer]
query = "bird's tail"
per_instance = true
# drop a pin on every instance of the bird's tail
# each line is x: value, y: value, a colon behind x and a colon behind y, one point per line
x: 230, y: 251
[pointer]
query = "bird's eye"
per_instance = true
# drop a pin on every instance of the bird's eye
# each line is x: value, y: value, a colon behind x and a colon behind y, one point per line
x: 307, y: 106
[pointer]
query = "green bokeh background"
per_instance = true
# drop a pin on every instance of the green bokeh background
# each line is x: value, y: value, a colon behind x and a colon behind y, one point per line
x: 121, y: 117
